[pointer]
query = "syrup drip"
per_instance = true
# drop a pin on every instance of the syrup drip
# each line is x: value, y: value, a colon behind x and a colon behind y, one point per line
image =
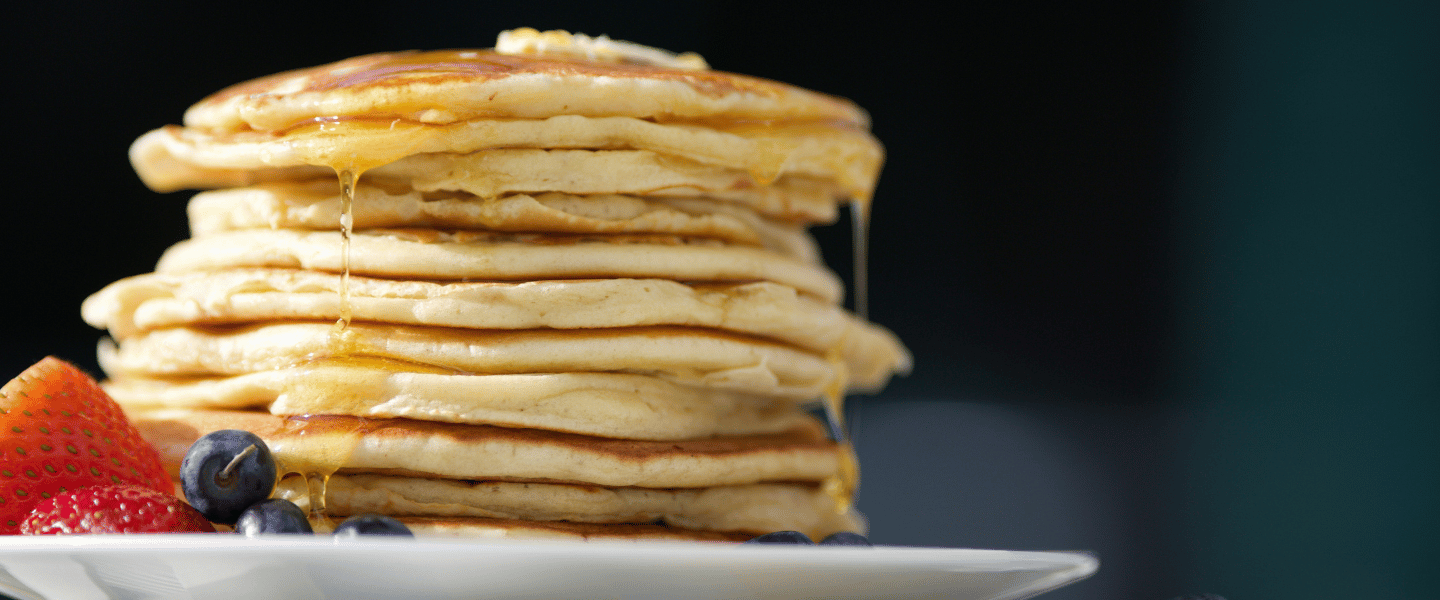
x: 860, y: 247
x: 842, y: 487
x: 307, y: 490
x: 316, y: 487
x: 316, y: 475
x: 349, y: 147
x: 348, y: 177
x: 318, y: 451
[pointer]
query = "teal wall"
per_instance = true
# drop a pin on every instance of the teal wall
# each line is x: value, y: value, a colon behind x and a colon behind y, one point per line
x: 1308, y: 242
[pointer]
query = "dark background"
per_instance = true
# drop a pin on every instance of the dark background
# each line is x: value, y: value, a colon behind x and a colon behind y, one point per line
x: 1169, y: 270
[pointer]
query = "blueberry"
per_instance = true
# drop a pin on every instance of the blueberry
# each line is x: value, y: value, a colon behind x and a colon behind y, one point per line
x: 276, y: 515
x: 782, y: 537
x: 359, y: 525
x: 225, y: 472
x: 845, y: 538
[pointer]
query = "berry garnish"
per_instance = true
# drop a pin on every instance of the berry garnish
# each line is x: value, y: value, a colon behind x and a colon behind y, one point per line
x: 845, y: 538
x: 359, y: 525
x: 782, y: 537
x: 225, y: 472
x: 275, y: 515
x: 59, y: 431
x: 113, y: 509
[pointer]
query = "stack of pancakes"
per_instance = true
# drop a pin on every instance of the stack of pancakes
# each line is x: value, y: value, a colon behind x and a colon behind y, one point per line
x: 558, y: 288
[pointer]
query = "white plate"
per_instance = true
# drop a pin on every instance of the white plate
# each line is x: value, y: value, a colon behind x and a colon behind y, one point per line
x: 312, y: 568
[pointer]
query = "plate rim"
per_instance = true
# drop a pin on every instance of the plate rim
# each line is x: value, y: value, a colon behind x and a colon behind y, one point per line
x: 1051, y: 569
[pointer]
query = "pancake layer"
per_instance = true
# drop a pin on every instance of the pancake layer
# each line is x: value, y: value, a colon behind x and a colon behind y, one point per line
x: 244, y: 296
x: 755, y: 508
x: 317, y: 205
x: 497, y: 256
x: 331, y: 443
x: 481, y: 84
x: 613, y: 405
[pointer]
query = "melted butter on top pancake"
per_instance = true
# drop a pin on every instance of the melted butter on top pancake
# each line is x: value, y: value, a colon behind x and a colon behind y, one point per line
x: 528, y: 41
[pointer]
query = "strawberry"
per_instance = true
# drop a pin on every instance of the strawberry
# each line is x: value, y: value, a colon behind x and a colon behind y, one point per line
x: 59, y: 431
x: 113, y: 509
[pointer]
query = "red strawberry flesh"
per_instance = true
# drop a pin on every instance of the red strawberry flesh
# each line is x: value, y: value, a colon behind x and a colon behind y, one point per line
x: 113, y: 509
x: 59, y: 431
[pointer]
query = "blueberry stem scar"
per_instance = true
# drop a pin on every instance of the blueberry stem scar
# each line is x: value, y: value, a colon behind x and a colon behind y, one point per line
x: 229, y: 470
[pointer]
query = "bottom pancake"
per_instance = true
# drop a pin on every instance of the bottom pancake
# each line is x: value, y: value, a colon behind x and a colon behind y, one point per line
x: 473, y: 527
x: 752, y: 509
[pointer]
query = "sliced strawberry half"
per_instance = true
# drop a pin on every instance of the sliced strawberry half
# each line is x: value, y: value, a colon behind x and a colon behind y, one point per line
x: 113, y: 509
x: 60, y: 432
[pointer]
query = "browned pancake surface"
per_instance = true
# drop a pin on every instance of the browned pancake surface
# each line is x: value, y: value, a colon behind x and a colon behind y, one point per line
x: 398, y: 79
x: 329, y: 443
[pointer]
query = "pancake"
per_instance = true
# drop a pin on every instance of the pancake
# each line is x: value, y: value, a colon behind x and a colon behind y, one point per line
x: 490, y: 173
x: 327, y: 444
x: 848, y: 156
x: 614, y: 405
x: 460, y: 85
x: 792, y: 197
x: 755, y: 509
x: 687, y: 356
x: 242, y: 296
x: 317, y: 205
x: 449, y: 255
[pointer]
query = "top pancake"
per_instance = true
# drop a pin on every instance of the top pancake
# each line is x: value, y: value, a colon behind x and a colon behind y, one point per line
x: 457, y: 85
x: 512, y: 106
